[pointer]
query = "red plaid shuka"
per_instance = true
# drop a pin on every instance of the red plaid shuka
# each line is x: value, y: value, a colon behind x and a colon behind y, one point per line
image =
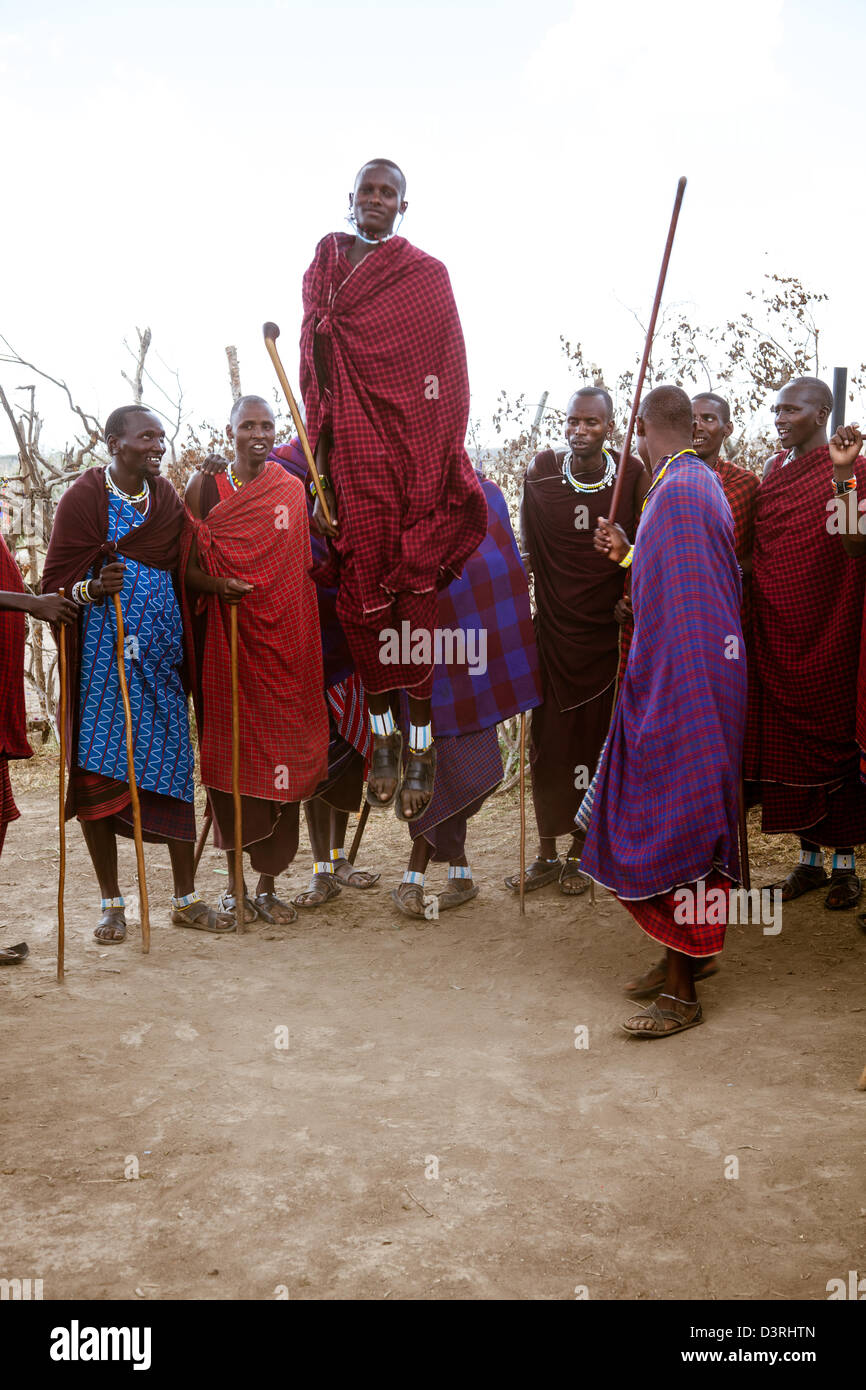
x: 383, y: 367
x: 259, y: 534
x: 807, y: 597
x: 13, y: 721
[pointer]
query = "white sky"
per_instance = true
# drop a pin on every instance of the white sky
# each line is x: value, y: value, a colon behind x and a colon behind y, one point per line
x: 174, y: 165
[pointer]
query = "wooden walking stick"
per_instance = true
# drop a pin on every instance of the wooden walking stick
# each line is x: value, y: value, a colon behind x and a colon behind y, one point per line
x: 236, y: 775
x: 272, y: 332
x: 356, y: 841
x: 202, y: 838
x: 61, y: 882
x: 523, y: 813
x: 638, y: 388
x: 133, y: 786
x: 745, y: 870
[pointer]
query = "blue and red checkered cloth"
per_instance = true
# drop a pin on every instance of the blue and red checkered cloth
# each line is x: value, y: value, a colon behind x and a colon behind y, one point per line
x: 491, y: 595
x: 666, y: 802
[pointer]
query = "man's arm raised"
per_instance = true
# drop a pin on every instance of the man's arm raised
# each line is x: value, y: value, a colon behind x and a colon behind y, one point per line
x: 845, y: 448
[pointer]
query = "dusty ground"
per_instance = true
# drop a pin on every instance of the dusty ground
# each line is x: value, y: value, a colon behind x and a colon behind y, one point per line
x: 307, y: 1167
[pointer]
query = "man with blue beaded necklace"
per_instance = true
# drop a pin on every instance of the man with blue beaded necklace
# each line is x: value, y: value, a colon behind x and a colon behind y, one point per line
x: 128, y: 515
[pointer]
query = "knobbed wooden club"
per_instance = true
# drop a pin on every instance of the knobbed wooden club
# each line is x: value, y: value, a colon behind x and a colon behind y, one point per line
x: 272, y: 332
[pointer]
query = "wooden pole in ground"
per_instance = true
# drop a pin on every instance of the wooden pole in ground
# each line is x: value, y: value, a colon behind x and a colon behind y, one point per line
x: 236, y: 774
x: 133, y: 787
x: 523, y: 813
x: 61, y: 882
x: 202, y: 838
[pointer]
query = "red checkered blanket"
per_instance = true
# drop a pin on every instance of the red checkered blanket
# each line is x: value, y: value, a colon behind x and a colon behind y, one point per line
x: 807, y: 597
x: 260, y: 534
x: 383, y: 365
x: 13, y: 722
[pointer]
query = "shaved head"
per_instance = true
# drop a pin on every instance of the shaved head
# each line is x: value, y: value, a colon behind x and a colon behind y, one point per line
x: 667, y: 408
x: 818, y: 392
x: 384, y: 164
x: 587, y: 392
x: 718, y: 401
x: 243, y: 401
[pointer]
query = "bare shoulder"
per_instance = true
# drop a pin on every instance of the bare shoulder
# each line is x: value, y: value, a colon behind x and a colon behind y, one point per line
x: 192, y: 494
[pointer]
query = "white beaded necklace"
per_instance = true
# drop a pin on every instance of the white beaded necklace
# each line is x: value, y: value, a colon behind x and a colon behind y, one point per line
x: 133, y: 497
x: 609, y: 474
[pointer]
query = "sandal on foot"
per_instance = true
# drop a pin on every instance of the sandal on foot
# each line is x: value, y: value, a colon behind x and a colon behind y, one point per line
x: 227, y: 907
x: 570, y: 873
x: 419, y: 776
x: 12, y: 955
x: 660, y: 1016
x: 202, y: 918
x: 537, y: 874
x: 456, y: 897
x: 646, y: 986
x: 325, y: 884
x: 847, y: 889
x: 345, y: 878
x: 803, y: 878
x: 264, y: 903
x: 385, y: 764
x: 409, y: 897
x: 113, y: 918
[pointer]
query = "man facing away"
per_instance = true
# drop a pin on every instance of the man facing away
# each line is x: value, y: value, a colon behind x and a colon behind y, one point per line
x: 385, y: 387
x: 711, y: 415
x: 247, y: 543
x: 663, y: 828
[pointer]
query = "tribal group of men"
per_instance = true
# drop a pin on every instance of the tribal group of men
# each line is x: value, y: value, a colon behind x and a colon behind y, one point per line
x: 693, y: 654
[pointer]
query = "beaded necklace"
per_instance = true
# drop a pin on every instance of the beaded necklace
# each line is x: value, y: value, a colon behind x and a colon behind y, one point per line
x: 132, y: 497
x: 609, y: 474
x: 657, y: 480
x: 234, y: 479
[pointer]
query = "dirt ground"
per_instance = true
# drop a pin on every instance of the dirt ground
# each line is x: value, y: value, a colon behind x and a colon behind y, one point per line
x: 431, y: 1131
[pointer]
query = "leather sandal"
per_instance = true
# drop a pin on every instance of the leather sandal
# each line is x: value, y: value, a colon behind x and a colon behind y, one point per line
x: 385, y: 764
x: 264, y: 904
x: 852, y: 890
x: 536, y: 875
x: 803, y: 878
x: 202, y: 918
x: 659, y: 1016
x: 326, y: 884
x: 419, y: 776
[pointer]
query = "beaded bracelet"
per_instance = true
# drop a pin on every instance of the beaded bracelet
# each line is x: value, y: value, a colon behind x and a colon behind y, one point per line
x: 846, y: 485
x: 81, y: 592
x: 627, y: 558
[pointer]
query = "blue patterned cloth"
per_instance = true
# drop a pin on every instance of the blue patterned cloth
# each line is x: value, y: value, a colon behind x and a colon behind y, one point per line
x: 154, y: 655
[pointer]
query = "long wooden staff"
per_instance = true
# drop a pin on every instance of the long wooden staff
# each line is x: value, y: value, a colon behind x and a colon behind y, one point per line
x: 362, y: 821
x: 272, y: 332
x: 61, y: 882
x: 638, y: 388
x: 745, y: 870
x: 523, y: 813
x: 133, y: 786
x: 202, y: 838
x: 236, y: 775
